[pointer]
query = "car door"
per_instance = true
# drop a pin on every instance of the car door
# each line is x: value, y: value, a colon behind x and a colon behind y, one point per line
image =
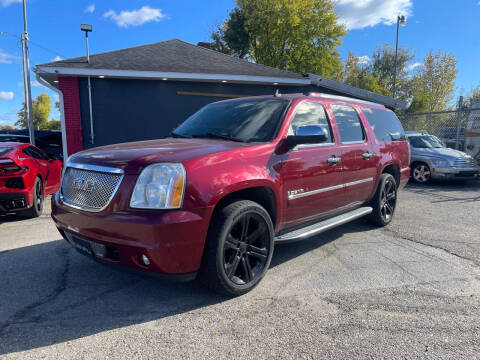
x: 357, y: 152
x: 50, y: 170
x: 311, y: 180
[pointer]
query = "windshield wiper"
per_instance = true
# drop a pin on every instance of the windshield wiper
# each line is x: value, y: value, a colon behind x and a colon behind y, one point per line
x: 217, y: 136
x: 174, y: 134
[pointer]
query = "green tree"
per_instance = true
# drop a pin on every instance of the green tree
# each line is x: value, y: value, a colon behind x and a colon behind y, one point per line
x: 231, y: 38
x: 41, y: 111
x: 6, y: 127
x: 295, y: 35
x: 360, y: 75
x: 383, y: 68
x: 434, y: 83
x: 473, y: 97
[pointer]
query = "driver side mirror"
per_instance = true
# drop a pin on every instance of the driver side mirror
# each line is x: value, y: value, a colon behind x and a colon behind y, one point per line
x: 310, y: 134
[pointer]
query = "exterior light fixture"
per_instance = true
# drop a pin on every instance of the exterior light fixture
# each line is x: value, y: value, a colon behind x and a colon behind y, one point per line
x: 164, y: 78
x: 55, y: 81
x: 224, y: 81
x: 102, y: 76
x: 275, y: 83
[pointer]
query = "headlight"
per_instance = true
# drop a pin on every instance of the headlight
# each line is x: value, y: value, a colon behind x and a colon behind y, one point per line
x: 159, y: 186
x: 440, y: 162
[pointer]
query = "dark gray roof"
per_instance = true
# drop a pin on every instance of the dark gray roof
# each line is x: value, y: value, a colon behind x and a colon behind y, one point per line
x: 173, y: 56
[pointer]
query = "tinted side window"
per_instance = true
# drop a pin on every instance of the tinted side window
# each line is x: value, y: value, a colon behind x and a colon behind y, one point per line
x: 35, y: 153
x: 348, y: 123
x: 310, y: 113
x: 383, y: 123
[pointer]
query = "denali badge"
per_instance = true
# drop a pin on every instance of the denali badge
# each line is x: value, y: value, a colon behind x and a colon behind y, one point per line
x: 85, y: 185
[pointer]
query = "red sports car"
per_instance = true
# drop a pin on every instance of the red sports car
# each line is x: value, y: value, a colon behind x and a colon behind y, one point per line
x: 27, y: 175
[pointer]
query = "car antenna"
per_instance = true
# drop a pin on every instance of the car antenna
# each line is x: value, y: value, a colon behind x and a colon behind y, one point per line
x: 277, y: 93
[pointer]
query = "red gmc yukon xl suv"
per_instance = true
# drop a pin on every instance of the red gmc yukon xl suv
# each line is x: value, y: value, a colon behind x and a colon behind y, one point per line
x: 234, y: 179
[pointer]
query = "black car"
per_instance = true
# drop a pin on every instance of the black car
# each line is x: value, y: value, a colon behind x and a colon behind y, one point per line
x: 48, y: 141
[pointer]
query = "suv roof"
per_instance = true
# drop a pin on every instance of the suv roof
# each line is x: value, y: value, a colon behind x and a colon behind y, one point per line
x: 292, y: 96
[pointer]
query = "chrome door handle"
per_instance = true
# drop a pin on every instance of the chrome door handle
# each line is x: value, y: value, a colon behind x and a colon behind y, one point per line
x: 367, y: 155
x: 333, y: 160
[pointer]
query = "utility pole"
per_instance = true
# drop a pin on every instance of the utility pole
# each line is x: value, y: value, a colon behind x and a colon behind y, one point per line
x: 86, y: 28
x: 400, y: 21
x: 26, y: 77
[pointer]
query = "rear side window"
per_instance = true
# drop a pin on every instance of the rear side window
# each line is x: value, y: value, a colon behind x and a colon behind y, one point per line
x: 348, y: 123
x: 383, y: 123
x: 35, y: 153
x: 310, y: 113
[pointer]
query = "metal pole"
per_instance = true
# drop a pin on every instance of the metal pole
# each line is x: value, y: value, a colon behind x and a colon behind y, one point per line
x: 26, y: 78
x: 86, y: 44
x: 92, y: 134
x: 395, y: 65
x: 459, y: 122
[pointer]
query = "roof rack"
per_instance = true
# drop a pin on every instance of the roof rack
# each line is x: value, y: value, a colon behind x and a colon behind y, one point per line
x: 345, y: 98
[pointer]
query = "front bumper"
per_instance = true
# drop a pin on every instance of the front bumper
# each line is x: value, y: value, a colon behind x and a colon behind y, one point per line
x: 172, y: 240
x: 451, y: 173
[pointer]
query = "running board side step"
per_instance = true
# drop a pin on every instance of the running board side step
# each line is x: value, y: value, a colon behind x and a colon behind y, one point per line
x: 322, y: 226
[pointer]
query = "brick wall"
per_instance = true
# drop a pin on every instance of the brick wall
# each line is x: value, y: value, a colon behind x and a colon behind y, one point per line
x: 71, y: 104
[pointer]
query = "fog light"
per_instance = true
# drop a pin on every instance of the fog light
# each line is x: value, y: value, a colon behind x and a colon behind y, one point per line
x: 145, y: 260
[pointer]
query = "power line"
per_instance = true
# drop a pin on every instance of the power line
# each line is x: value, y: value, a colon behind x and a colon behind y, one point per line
x: 32, y: 42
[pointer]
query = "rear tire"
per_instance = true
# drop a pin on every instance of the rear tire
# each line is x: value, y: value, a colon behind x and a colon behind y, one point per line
x: 38, y: 198
x: 384, y: 202
x: 238, y: 249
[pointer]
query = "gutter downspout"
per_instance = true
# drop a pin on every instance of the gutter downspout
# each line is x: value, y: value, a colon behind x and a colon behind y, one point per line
x: 62, y: 114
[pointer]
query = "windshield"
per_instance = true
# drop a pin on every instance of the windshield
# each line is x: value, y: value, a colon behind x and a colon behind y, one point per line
x: 425, y: 141
x: 249, y: 120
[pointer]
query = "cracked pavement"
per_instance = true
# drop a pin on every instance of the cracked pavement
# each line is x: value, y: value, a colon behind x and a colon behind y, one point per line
x: 410, y: 290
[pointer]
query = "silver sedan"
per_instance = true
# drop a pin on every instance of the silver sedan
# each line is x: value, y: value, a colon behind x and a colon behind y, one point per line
x: 430, y: 159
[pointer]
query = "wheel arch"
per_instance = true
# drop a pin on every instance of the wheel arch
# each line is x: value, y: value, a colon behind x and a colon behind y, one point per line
x: 262, y: 194
x: 394, y: 170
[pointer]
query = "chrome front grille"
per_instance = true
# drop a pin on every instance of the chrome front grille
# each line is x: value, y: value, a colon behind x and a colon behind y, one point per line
x: 89, y: 187
x: 464, y: 162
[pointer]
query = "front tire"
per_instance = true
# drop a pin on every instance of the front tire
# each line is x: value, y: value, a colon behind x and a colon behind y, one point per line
x: 38, y: 198
x: 239, y: 248
x: 384, y: 202
x: 421, y: 173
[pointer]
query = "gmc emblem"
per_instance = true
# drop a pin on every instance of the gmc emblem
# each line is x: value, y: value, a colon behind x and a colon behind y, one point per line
x: 85, y: 185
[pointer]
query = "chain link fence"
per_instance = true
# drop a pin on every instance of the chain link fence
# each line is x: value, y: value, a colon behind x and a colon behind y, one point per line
x: 458, y: 129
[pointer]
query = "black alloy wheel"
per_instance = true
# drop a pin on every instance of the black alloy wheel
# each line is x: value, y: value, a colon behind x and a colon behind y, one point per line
x: 238, y: 249
x: 388, y: 199
x: 384, y: 202
x: 38, y: 197
x: 246, y: 249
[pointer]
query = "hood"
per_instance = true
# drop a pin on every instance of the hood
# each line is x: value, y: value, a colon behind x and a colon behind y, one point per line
x: 133, y: 157
x: 445, y: 153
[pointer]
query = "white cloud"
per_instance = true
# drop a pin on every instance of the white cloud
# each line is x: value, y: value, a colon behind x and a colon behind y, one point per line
x: 56, y: 97
x: 364, y: 60
x: 6, y: 95
x: 90, y: 8
x: 358, y: 14
x: 6, y: 58
x: 413, y: 66
x: 138, y: 17
x: 5, y: 3
x: 57, y: 58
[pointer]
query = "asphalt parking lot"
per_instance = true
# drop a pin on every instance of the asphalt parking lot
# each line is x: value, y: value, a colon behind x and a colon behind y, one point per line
x: 411, y: 290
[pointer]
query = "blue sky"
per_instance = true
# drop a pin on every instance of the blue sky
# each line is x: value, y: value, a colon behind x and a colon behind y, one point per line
x: 451, y: 26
